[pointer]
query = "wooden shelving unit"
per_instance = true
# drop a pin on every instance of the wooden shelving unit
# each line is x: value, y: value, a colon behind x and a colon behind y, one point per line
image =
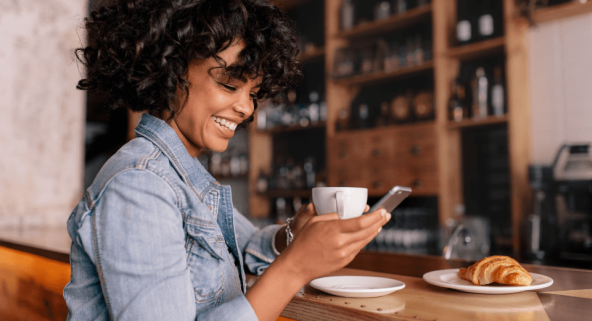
x: 491, y: 120
x: 478, y: 49
x: 293, y: 128
x: 313, y: 55
x: 561, y: 11
x: 381, y: 76
x: 394, y: 22
x: 446, y: 149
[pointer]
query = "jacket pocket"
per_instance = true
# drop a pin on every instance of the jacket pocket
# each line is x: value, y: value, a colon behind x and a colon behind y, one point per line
x: 205, y: 264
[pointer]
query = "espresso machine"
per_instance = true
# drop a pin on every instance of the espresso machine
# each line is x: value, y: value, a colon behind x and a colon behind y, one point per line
x: 560, y: 229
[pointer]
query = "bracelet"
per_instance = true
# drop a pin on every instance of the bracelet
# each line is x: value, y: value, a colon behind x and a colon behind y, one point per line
x: 289, y: 235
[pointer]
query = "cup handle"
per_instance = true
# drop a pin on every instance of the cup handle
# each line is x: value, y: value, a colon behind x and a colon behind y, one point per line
x: 340, y: 200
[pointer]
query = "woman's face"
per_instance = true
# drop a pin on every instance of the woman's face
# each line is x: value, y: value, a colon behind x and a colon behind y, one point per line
x: 215, y: 105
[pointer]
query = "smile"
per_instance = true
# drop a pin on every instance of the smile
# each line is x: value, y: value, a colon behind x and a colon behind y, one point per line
x: 228, y: 125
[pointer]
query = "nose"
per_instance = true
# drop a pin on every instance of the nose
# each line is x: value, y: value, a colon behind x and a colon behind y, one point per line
x: 244, y: 105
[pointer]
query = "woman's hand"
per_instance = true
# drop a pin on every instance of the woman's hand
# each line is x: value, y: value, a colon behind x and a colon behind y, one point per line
x: 304, y: 213
x: 326, y: 243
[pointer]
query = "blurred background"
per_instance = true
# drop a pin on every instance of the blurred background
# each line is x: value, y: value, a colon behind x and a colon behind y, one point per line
x: 483, y: 108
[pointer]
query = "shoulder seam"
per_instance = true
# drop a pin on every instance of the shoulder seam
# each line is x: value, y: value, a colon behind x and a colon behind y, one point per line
x: 158, y: 174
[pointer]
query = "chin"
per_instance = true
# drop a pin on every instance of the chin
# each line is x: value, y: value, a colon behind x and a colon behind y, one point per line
x: 218, y: 147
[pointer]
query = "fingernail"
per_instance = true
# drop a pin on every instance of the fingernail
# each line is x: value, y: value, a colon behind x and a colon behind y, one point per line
x: 388, y: 216
x: 383, y: 212
x: 379, y: 229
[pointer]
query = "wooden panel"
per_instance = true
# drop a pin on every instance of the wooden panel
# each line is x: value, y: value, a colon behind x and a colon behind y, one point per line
x: 561, y: 11
x: 478, y: 49
x: 491, y: 120
x: 383, y: 76
x: 260, y: 149
x: 397, y: 21
x: 518, y: 114
x: 31, y: 287
x: 448, y: 142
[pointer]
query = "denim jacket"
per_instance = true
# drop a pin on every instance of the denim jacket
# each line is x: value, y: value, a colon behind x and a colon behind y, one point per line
x: 156, y: 237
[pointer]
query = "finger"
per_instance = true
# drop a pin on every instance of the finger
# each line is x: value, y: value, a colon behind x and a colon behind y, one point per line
x: 362, y: 222
x: 357, y: 246
x: 371, y: 231
x: 367, y: 208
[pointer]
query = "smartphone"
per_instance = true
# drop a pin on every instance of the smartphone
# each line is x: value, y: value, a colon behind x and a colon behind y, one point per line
x: 392, y: 199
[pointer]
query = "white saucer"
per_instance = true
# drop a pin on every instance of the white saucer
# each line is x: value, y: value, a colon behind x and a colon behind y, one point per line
x: 450, y: 279
x: 357, y: 286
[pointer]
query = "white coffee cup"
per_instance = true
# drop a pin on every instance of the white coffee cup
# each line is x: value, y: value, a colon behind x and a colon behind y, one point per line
x: 347, y: 202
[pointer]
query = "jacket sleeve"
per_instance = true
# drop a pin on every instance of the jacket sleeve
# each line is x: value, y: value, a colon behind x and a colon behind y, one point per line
x: 139, y: 249
x: 257, y: 245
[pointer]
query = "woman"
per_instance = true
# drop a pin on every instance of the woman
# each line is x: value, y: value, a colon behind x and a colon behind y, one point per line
x: 155, y: 236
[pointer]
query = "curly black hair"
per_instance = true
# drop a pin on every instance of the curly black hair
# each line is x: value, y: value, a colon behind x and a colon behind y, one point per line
x: 139, y: 50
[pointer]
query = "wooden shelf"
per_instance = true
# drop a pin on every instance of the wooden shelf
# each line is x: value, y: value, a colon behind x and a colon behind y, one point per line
x: 478, y: 49
x: 292, y: 128
x: 394, y: 22
x: 381, y: 76
x: 491, y: 120
x: 287, y: 194
x: 312, y: 55
x: 385, y: 129
x: 561, y: 11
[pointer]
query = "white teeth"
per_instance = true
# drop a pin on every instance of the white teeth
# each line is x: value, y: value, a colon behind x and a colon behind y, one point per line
x: 224, y: 123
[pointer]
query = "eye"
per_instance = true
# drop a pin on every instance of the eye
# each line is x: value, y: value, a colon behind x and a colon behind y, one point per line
x: 253, y: 95
x: 228, y: 87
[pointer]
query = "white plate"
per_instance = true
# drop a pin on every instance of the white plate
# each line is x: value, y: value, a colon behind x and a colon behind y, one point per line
x: 357, y: 286
x: 450, y: 279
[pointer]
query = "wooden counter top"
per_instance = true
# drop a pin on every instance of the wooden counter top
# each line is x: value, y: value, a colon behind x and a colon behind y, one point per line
x: 569, y: 298
x: 52, y: 243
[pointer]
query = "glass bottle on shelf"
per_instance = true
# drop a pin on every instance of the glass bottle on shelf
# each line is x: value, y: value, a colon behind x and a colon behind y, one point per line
x: 347, y: 15
x: 410, y: 51
x: 384, y: 118
x: 498, y: 93
x: 363, y: 116
x: 463, y: 25
x: 400, y: 6
x: 486, y: 22
x: 299, y: 178
x: 418, y: 50
x: 314, y: 108
x: 281, y: 208
x: 480, y: 86
x: 382, y: 10
x: 262, y: 182
x: 262, y: 118
x: 309, y: 169
x: 455, y: 106
x: 235, y: 164
x: 342, y: 120
x: 391, y: 60
x: 244, y: 163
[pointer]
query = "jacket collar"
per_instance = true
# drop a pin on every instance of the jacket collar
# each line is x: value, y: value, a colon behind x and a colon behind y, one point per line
x: 166, y: 139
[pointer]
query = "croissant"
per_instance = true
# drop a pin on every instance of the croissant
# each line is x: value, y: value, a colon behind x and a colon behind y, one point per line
x: 497, y: 268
